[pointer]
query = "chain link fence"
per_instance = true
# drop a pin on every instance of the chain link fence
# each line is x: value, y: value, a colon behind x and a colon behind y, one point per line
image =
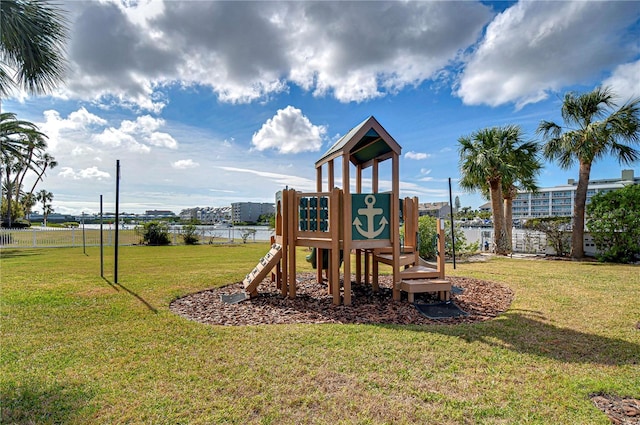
x: 53, y: 237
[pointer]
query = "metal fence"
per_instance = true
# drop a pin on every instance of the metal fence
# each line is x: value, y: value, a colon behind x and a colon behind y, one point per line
x: 51, y: 237
x: 522, y: 240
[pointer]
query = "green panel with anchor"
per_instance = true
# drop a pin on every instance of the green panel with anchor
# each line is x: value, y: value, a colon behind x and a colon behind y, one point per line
x: 370, y: 216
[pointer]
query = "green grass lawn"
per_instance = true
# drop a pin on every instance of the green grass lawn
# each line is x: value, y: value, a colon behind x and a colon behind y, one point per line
x: 77, y: 349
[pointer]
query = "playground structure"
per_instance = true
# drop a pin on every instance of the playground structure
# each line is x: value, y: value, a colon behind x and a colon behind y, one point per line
x: 336, y: 222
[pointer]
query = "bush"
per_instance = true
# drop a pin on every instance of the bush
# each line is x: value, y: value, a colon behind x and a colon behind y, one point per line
x: 245, y: 233
x: 428, y: 233
x: 189, y: 234
x: 556, y: 231
x: 154, y: 233
x: 613, y: 218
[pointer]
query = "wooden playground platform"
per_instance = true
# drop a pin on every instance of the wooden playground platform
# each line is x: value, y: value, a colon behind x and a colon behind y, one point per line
x: 366, y: 225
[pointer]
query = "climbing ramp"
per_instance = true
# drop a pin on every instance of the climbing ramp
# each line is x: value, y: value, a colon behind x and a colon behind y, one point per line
x: 266, y: 264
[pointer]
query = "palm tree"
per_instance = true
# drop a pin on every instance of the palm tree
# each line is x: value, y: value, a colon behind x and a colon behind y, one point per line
x: 494, y: 159
x: 45, y: 197
x: 28, y: 202
x: 18, y: 141
x: 522, y: 175
x: 31, y: 46
x: 46, y: 161
x: 593, y: 129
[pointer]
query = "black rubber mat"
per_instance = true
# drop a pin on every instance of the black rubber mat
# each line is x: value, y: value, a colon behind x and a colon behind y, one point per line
x: 234, y: 298
x: 440, y: 310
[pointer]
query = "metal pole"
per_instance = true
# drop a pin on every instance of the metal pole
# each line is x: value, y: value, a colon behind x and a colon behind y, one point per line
x: 117, y: 223
x: 84, y: 239
x: 101, y: 243
x: 453, y: 235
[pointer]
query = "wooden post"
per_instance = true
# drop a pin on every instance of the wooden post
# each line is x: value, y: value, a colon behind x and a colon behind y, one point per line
x: 374, y: 176
x: 395, y: 226
x: 285, y: 243
x: 331, y: 179
x: 441, y: 246
x: 346, y: 220
x: 292, y: 225
x: 334, y: 263
x: 415, y: 227
x: 375, y: 188
x: 319, y: 252
x: 358, y: 251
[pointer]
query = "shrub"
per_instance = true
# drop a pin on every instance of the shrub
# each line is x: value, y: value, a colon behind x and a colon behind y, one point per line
x: 245, y: 233
x: 556, y: 231
x: 427, y: 234
x: 154, y: 233
x: 613, y: 218
x: 189, y: 234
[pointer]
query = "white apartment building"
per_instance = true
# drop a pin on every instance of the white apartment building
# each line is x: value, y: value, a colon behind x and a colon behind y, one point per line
x: 435, y: 209
x: 250, y: 211
x: 558, y: 201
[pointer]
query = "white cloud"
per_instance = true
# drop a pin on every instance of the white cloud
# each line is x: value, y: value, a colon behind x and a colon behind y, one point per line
x: 625, y: 80
x: 416, y: 155
x: 184, y: 164
x: 92, y: 173
x: 299, y: 183
x: 128, y: 52
x: 289, y: 131
x: 137, y: 135
x: 81, y: 151
x: 336, y: 50
x: 533, y: 48
x: 162, y: 140
x: 77, y: 125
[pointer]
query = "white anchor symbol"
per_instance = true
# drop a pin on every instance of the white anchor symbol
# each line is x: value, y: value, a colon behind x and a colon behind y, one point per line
x: 370, y: 212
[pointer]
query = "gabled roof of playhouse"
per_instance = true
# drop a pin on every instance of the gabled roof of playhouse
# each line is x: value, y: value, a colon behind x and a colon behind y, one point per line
x: 363, y: 143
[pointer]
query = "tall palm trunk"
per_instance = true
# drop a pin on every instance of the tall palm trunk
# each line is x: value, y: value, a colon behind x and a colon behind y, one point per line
x: 577, y: 234
x: 9, y: 194
x: 499, y: 234
x: 508, y: 214
x: 40, y: 174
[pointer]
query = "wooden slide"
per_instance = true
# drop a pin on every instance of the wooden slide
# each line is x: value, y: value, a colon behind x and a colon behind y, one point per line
x: 266, y: 264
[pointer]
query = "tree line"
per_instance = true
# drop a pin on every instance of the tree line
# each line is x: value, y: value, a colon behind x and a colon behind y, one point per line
x: 498, y: 162
x: 32, y: 60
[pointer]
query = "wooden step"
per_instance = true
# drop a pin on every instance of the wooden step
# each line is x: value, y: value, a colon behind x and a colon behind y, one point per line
x: 419, y: 272
x: 404, y: 259
x: 418, y: 286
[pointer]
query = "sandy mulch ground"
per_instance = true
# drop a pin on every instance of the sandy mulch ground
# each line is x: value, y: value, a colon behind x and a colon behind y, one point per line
x: 482, y: 300
x: 619, y: 410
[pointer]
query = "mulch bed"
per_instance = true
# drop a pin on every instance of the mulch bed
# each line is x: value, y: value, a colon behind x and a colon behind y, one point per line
x: 482, y: 300
x: 619, y: 410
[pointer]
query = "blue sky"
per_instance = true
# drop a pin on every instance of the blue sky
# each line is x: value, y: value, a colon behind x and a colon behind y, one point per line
x: 209, y: 103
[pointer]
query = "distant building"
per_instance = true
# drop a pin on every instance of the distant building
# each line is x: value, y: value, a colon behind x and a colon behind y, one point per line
x: 158, y: 213
x: 250, y: 211
x: 206, y: 215
x: 214, y: 215
x: 558, y: 201
x: 486, y: 207
x: 189, y: 214
x: 52, y: 218
x: 435, y: 209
